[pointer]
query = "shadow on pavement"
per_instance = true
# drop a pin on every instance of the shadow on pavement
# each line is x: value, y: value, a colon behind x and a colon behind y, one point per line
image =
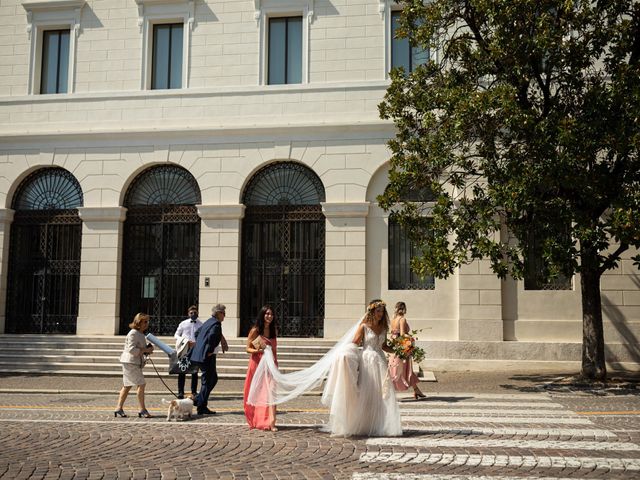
x: 618, y: 383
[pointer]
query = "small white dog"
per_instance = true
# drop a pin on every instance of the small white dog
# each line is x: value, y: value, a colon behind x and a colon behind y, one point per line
x: 180, y: 409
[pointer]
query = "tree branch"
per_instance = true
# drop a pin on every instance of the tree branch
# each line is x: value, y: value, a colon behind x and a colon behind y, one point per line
x: 610, y: 262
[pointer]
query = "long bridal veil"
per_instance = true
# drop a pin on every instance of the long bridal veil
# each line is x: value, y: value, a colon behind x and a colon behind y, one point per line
x: 271, y: 387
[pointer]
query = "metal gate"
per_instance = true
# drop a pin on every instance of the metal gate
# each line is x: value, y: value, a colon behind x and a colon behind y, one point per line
x: 161, y: 249
x: 283, y: 251
x: 44, y: 255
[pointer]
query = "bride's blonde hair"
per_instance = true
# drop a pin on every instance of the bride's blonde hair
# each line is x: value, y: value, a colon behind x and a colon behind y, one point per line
x: 370, y: 317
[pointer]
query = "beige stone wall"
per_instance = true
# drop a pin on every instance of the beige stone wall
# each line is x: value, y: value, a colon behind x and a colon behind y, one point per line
x: 225, y: 125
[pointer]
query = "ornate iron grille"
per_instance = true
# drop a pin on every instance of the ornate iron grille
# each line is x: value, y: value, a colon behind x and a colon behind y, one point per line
x: 163, y: 185
x: 48, y: 189
x: 401, y: 251
x: 536, y: 269
x: 284, y: 183
x: 283, y: 250
x: 44, y: 254
x: 283, y: 266
x: 161, y: 252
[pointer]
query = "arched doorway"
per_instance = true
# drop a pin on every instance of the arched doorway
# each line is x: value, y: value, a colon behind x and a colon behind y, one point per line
x: 161, y: 248
x: 283, y: 245
x: 44, y: 254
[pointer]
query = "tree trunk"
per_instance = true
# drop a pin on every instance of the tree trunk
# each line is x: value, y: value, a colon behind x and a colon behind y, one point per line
x: 593, y: 361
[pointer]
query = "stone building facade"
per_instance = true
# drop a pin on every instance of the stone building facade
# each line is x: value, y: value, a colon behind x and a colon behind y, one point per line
x: 248, y: 116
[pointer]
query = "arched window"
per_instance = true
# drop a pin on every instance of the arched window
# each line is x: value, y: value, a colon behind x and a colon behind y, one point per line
x: 284, y: 183
x: 402, y: 250
x: 44, y: 254
x: 283, y: 245
x: 48, y: 189
x: 163, y: 185
x: 161, y: 254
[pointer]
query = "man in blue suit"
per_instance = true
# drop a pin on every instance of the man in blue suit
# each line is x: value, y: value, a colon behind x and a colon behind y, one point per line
x: 204, y: 355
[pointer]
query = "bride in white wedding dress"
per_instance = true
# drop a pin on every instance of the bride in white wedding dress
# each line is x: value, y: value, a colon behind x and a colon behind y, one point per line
x: 358, y: 392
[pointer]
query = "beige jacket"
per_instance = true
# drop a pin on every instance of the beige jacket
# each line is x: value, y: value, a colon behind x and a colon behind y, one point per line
x: 133, y: 345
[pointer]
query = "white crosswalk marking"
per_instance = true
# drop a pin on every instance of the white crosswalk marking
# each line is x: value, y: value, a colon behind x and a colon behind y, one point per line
x: 540, y: 461
x: 440, y: 476
x: 486, y: 411
x: 524, y: 432
x: 492, y: 443
x: 437, y: 403
x: 528, y: 420
x: 523, y: 436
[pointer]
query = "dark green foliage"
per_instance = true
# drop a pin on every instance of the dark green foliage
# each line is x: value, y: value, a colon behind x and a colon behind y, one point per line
x: 525, y: 122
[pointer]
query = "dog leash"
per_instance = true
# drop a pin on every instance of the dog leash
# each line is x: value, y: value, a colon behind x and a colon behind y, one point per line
x: 161, y: 379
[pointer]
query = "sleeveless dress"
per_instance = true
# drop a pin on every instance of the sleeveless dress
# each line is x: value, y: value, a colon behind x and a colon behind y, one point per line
x: 401, y: 371
x: 260, y: 417
x: 359, y: 392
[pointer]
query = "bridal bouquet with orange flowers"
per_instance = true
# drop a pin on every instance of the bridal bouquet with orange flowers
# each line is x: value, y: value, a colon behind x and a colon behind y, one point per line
x: 404, y: 346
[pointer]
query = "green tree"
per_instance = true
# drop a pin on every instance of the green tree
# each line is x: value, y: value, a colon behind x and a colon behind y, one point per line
x: 525, y: 124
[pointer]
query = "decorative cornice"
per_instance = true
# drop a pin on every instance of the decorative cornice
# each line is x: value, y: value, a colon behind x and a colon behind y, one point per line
x: 221, y: 212
x: 382, y: 8
x: 345, y: 210
x: 102, y: 214
x: 72, y: 6
x: 190, y: 4
x: 53, y: 5
x: 306, y: 5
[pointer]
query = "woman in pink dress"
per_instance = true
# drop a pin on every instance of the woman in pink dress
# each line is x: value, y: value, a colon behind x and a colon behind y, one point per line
x: 261, y: 335
x: 401, y: 371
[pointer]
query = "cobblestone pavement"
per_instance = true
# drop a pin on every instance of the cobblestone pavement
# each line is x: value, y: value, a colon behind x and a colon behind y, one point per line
x: 452, y: 436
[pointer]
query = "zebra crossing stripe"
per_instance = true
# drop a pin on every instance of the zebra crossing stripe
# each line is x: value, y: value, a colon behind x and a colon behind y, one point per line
x: 464, y: 403
x: 485, y: 411
x: 486, y: 419
x: 440, y: 476
x: 504, y: 443
x: 529, y: 432
x: 512, y: 461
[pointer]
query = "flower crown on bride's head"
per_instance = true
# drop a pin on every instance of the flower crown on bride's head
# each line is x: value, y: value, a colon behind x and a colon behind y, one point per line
x: 373, y: 305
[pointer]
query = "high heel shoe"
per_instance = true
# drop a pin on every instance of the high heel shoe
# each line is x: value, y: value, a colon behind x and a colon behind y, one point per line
x: 119, y: 412
x: 144, y: 413
x: 419, y: 396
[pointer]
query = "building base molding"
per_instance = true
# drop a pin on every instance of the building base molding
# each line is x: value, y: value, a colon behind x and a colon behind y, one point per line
x: 521, y: 356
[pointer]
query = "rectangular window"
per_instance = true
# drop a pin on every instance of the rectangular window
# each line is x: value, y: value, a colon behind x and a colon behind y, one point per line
x: 285, y: 51
x: 166, y: 71
x: 401, y: 251
x: 55, y: 61
x: 402, y: 53
x: 536, y: 270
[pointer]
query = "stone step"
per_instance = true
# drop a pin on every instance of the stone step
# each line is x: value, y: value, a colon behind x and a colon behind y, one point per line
x: 157, y: 359
x: 119, y: 340
x: 107, y: 374
x: 114, y: 369
x: 158, y: 355
x: 98, y: 355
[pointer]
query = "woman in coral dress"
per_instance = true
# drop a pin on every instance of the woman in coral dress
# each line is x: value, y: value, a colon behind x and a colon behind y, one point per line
x: 261, y: 335
x: 401, y: 371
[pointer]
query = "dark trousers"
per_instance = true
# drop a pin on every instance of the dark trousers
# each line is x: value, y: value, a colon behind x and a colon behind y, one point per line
x: 194, y: 383
x: 208, y: 380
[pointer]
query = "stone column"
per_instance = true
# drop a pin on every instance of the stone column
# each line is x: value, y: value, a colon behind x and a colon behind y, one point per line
x: 345, y: 266
x: 99, y: 309
x: 479, y: 303
x: 6, y: 217
x: 220, y: 262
